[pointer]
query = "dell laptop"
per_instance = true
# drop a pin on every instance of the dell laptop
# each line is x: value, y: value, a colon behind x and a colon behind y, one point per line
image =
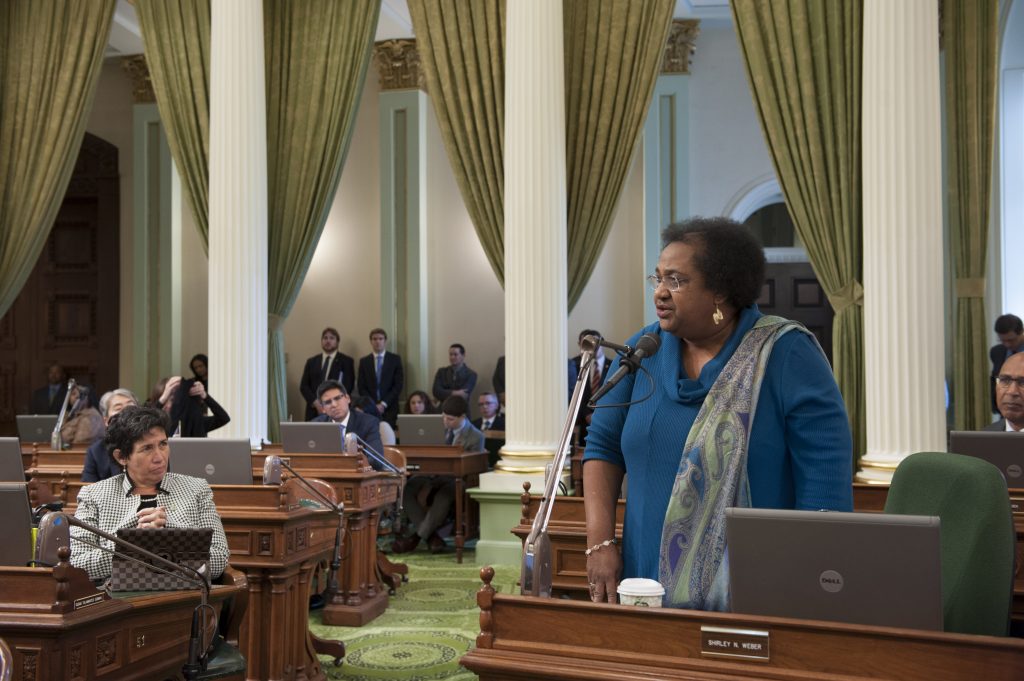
x: 1004, y: 450
x: 319, y: 437
x: 421, y: 429
x: 219, y: 462
x: 36, y: 427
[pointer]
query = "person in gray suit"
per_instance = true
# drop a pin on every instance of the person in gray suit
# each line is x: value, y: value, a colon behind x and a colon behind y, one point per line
x: 427, y: 518
x: 1010, y: 395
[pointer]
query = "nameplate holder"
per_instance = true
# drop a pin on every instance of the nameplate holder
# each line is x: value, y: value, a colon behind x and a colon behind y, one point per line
x: 746, y: 644
x: 86, y: 601
x: 1017, y: 504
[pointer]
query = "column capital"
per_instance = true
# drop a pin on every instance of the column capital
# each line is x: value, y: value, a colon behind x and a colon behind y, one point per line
x: 680, y: 46
x: 398, y: 65
x: 138, y: 70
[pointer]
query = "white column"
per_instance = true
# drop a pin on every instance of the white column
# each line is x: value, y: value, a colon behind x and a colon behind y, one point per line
x: 903, y: 310
x: 238, y: 217
x: 535, y: 242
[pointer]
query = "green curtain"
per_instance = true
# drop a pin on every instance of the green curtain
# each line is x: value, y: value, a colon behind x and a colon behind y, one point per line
x: 317, y: 53
x: 51, y: 52
x: 177, y: 38
x: 803, y: 60
x: 613, y: 51
x: 462, y: 51
x: 970, y: 31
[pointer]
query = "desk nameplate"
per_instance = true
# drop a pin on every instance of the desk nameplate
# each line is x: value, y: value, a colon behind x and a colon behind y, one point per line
x: 1017, y: 504
x: 747, y: 644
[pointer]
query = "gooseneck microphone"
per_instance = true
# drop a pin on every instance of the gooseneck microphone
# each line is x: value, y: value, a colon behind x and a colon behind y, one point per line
x: 646, y: 346
x: 56, y: 441
x: 54, y: 532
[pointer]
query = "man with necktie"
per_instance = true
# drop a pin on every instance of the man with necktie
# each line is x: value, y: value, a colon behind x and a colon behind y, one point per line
x: 490, y: 420
x: 50, y: 398
x: 336, y: 403
x: 381, y: 377
x: 597, y: 376
x: 329, y: 365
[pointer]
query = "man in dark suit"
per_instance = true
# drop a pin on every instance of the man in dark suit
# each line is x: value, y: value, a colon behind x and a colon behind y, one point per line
x: 99, y: 465
x: 381, y: 377
x: 329, y: 365
x: 597, y: 375
x: 50, y: 398
x: 456, y: 378
x: 1010, y: 395
x: 1010, y: 330
x: 336, y: 403
x: 490, y: 419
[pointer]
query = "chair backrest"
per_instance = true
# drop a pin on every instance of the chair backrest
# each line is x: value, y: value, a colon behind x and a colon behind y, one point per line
x: 978, y: 539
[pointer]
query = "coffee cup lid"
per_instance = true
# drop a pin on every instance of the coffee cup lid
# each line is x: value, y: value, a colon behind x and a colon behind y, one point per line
x: 640, y: 586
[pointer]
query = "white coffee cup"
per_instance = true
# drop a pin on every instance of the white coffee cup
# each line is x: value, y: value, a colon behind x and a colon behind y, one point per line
x: 646, y: 593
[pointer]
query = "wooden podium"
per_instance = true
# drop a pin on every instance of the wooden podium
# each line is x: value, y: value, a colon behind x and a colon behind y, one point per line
x: 277, y: 542
x: 526, y: 638
x: 362, y: 594
x: 60, y: 628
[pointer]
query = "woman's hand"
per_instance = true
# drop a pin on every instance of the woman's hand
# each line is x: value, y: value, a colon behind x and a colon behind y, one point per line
x: 604, y: 565
x: 172, y: 384
x: 152, y: 517
x: 197, y: 390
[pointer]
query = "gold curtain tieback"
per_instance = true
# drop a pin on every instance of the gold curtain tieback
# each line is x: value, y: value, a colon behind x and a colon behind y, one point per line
x: 970, y: 287
x: 852, y: 293
x: 275, y: 322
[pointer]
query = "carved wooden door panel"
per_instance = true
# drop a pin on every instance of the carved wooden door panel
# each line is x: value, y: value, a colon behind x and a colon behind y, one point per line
x: 791, y: 290
x: 68, y: 311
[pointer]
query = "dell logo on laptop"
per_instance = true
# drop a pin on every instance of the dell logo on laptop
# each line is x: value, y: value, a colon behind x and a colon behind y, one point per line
x: 831, y: 581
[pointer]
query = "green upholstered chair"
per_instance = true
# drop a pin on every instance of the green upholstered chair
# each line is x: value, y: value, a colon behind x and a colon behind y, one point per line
x: 978, y: 540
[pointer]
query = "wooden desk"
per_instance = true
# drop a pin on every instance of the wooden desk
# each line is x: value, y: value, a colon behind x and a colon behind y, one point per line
x: 277, y: 544
x: 143, y: 638
x: 465, y: 467
x: 523, y: 637
x: 362, y: 594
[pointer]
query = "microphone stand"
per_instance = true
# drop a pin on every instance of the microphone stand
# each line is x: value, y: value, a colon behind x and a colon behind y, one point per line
x: 197, y: 656
x: 332, y: 578
x: 56, y: 443
x: 535, y: 575
x: 392, y: 468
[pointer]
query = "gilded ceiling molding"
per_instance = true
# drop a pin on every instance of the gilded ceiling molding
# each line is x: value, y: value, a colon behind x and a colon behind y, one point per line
x: 398, y: 65
x: 680, y: 46
x: 142, y: 87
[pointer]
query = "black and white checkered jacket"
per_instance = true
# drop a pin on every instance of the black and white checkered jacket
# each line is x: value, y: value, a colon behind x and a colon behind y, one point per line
x: 110, y: 505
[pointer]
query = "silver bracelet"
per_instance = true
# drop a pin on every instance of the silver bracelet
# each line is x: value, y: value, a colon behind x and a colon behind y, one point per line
x: 598, y: 547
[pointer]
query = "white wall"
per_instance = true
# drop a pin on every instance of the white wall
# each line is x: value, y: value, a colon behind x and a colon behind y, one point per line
x: 727, y: 149
x: 1009, y: 229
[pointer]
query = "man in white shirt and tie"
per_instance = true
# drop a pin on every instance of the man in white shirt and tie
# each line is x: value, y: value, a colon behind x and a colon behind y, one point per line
x: 381, y: 377
x: 337, y: 408
x: 597, y: 376
x: 1010, y: 395
x: 489, y: 419
x: 329, y: 365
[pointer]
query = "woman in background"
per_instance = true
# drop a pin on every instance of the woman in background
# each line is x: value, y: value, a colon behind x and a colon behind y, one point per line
x: 185, y: 401
x: 83, y: 424
x: 419, y: 403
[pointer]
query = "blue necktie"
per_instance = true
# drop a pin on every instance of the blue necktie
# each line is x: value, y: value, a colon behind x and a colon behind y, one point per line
x: 450, y: 437
x: 341, y: 427
x: 380, y: 368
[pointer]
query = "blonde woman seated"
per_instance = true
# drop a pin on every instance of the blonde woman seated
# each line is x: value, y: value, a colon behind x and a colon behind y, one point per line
x: 83, y: 424
x: 144, y: 495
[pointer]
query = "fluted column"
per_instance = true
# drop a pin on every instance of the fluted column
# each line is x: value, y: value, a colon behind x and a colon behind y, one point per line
x: 535, y: 238
x: 903, y: 290
x: 238, y: 217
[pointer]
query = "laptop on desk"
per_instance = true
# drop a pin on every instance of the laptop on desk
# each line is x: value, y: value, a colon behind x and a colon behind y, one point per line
x: 861, y: 568
x: 11, y: 467
x: 321, y: 437
x: 219, y: 462
x: 16, y: 528
x: 1003, y: 450
x: 36, y: 427
x: 421, y: 429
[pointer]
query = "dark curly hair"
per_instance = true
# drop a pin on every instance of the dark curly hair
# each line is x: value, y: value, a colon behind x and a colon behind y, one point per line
x: 131, y: 425
x: 728, y: 256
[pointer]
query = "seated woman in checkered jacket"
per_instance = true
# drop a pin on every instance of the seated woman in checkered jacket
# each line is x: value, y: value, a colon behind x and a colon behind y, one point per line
x: 144, y: 494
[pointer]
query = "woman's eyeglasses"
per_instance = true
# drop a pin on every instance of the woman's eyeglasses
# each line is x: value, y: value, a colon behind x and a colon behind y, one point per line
x: 671, y: 282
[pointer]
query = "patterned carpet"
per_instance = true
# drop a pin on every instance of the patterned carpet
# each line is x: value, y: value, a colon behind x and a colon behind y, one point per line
x: 429, y: 624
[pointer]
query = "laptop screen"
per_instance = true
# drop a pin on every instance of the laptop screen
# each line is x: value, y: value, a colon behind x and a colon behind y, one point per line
x: 11, y: 468
x: 16, y: 528
x: 421, y: 429
x: 861, y: 568
x: 220, y: 462
x: 312, y: 438
x: 36, y: 427
x: 1003, y: 450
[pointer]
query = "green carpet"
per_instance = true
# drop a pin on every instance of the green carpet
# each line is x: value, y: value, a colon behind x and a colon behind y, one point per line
x: 430, y: 623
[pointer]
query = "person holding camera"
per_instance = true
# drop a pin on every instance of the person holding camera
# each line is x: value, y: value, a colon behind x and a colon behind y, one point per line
x: 186, y: 401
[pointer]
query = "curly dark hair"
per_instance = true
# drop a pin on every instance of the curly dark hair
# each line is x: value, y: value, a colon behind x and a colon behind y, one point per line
x: 728, y: 256
x: 131, y: 425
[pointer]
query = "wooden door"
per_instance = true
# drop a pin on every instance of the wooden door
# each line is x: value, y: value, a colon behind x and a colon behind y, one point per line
x: 791, y: 290
x: 68, y: 311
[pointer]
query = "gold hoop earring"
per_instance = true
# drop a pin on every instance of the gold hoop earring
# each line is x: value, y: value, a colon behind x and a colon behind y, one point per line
x: 718, y: 316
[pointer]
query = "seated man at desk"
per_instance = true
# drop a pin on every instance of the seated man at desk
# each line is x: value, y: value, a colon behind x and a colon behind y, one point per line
x: 337, y: 404
x: 426, y: 519
x: 1010, y: 395
x: 98, y: 464
x: 144, y: 495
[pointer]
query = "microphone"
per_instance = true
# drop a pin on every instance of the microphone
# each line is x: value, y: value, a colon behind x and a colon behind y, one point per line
x: 646, y: 346
x: 55, y: 532
x: 353, y: 445
x: 55, y: 439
